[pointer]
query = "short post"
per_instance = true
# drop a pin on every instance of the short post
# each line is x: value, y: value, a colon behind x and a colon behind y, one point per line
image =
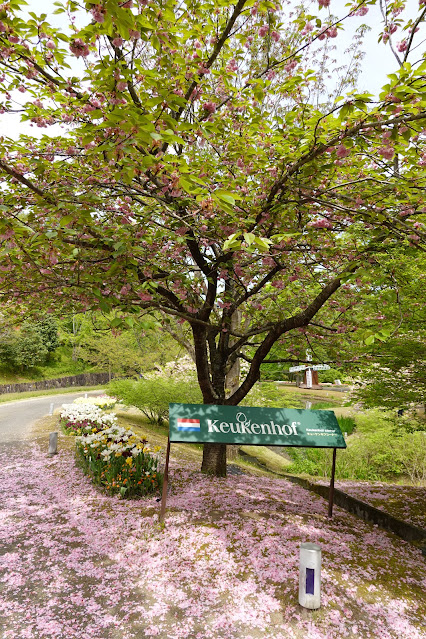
x: 85, y: 395
x: 51, y: 409
x: 331, y: 489
x: 165, y: 482
x: 310, y: 576
x: 53, y: 443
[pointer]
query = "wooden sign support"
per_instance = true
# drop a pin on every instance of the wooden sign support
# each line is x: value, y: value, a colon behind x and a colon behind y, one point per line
x: 331, y: 490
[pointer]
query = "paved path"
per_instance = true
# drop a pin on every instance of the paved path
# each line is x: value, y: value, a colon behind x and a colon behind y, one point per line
x: 17, y: 417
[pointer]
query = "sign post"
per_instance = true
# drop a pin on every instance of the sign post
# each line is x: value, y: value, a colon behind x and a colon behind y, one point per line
x: 255, y: 426
x: 331, y: 489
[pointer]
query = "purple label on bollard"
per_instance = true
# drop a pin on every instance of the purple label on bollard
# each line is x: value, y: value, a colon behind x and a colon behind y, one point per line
x: 310, y: 575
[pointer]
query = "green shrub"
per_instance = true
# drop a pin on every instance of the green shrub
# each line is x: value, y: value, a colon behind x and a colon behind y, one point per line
x: 377, y: 452
x: 323, y: 405
x: 153, y: 395
x: 328, y: 377
x: 347, y: 424
x: 121, y: 388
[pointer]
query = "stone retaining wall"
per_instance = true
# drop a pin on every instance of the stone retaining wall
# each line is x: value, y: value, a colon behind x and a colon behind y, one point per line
x: 84, y: 379
x: 365, y: 511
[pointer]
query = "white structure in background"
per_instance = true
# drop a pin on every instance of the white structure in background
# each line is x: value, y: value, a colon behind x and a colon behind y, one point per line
x: 309, y: 368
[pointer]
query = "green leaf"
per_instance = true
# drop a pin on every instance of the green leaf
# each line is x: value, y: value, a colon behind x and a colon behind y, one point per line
x: 104, y: 306
x: 66, y: 220
x: 249, y: 238
x: 227, y: 196
x: 263, y: 242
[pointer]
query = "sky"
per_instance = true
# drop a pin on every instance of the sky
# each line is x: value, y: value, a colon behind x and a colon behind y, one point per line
x: 377, y: 63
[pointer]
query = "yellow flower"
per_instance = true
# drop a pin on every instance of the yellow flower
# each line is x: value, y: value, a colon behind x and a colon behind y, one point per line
x: 129, y: 461
x: 157, y: 448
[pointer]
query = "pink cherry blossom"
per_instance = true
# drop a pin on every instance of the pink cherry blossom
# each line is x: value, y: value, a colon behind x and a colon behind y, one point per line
x: 387, y: 152
x: 342, y: 151
x: 210, y: 107
x: 79, y: 48
x: 98, y: 13
x: 362, y: 11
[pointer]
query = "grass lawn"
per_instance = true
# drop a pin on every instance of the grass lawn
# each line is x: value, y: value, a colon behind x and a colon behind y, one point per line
x: 77, y: 563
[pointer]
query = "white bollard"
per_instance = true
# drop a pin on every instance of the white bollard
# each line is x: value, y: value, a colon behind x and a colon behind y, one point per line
x: 85, y: 395
x: 308, y: 405
x: 310, y: 576
x: 51, y: 409
x: 53, y: 443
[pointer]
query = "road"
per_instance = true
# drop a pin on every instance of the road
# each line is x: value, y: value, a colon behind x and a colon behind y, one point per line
x: 17, y: 417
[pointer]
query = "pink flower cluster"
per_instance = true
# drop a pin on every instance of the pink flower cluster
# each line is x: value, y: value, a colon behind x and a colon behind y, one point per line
x: 98, y: 12
x: 342, y: 151
x: 402, y: 46
x: 210, y: 107
x: 321, y: 223
x: 386, y: 152
x: 79, y: 48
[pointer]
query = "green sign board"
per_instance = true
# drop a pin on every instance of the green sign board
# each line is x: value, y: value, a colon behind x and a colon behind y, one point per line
x: 190, y: 423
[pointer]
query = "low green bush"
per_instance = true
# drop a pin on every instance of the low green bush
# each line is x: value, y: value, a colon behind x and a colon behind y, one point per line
x: 376, y: 452
x: 323, y: 405
x: 347, y: 424
x: 153, y: 395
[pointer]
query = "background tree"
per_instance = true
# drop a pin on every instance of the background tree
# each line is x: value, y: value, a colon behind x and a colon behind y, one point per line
x: 22, y: 348
x: 392, y: 361
x: 119, y: 351
x: 48, y: 330
x: 199, y: 177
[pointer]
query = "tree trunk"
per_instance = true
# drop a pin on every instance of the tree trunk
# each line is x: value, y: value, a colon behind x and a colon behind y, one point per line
x: 233, y: 381
x: 214, y: 460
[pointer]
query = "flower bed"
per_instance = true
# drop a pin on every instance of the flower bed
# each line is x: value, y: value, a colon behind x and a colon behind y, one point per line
x: 105, y: 402
x: 79, y: 419
x: 120, y: 461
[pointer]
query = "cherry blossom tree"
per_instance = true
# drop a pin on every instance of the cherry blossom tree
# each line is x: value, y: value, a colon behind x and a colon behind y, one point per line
x: 203, y: 172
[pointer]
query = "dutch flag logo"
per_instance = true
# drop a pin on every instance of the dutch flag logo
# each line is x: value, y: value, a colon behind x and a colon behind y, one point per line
x: 188, y: 424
